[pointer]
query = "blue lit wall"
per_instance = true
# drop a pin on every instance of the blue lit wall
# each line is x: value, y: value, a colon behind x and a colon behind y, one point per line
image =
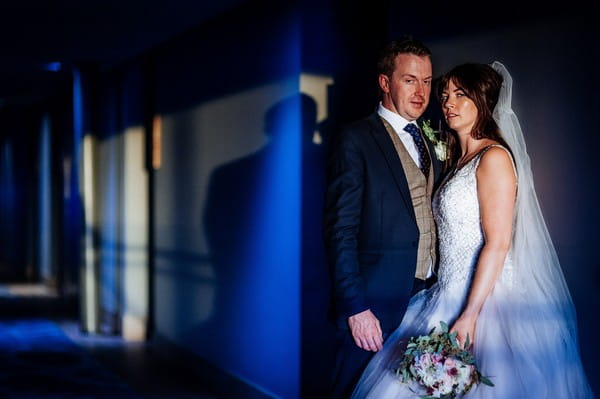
x: 227, y: 198
x: 44, y: 204
x: 19, y: 145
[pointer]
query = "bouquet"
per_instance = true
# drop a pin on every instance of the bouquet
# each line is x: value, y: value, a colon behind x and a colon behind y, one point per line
x: 439, y: 365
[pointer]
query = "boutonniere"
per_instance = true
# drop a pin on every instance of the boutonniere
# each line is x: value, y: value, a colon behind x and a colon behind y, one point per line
x: 439, y: 145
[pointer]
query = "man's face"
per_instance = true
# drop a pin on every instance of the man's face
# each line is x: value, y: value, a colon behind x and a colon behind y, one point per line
x: 407, y: 91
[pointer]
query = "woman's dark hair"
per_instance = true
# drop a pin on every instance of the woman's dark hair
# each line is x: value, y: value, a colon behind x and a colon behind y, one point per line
x: 481, y: 83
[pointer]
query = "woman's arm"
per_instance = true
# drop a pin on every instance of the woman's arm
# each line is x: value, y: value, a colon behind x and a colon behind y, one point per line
x: 496, y: 188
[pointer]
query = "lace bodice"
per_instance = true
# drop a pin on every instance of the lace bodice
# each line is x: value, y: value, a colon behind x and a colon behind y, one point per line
x: 456, y: 212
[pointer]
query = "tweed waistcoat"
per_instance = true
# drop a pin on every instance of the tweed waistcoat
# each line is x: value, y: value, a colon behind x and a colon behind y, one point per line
x: 421, y: 190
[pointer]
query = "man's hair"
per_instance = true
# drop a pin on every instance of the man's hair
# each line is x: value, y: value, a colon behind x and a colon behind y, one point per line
x: 404, y: 45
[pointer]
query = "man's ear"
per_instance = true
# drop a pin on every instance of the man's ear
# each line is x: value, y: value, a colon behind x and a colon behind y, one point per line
x: 384, y: 83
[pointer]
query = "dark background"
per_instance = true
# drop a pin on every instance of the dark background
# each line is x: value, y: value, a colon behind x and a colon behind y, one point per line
x: 237, y: 274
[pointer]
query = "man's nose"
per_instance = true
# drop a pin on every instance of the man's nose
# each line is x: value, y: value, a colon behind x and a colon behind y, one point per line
x: 420, y: 88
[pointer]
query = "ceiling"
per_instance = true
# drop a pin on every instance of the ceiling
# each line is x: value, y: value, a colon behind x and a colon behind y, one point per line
x: 34, y: 33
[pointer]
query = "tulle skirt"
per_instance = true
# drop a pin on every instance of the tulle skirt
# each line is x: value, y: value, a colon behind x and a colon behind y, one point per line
x: 524, y: 350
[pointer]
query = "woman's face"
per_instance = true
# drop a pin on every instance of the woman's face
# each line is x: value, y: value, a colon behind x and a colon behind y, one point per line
x: 459, y: 110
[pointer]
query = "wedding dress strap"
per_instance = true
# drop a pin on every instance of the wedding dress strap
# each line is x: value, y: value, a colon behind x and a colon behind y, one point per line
x: 482, y: 152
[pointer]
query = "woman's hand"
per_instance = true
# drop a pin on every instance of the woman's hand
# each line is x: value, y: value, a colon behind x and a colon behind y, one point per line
x: 463, y: 326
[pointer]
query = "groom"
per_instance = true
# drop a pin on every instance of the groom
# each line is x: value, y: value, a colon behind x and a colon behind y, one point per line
x: 378, y: 226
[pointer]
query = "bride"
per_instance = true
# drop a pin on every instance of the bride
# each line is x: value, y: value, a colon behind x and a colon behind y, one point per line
x: 499, y: 279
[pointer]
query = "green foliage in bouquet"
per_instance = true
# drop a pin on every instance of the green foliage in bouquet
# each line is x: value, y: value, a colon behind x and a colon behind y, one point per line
x: 438, y: 363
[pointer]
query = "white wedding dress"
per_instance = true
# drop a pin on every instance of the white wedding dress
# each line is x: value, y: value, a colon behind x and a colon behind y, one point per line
x: 524, y: 353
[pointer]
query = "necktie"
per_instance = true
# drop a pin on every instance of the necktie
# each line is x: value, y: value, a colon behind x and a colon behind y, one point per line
x: 413, y: 130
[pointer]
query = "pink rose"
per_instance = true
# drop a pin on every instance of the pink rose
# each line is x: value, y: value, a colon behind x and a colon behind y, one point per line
x: 450, y: 363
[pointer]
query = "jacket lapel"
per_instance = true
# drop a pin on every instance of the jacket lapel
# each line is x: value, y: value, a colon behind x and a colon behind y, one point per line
x: 391, y: 156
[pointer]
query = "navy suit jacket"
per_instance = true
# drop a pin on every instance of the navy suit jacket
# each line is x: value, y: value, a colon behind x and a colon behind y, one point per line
x: 370, y: 231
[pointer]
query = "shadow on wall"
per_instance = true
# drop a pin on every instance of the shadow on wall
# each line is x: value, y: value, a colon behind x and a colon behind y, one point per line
x: 250, y: 222
x: 234, y: 197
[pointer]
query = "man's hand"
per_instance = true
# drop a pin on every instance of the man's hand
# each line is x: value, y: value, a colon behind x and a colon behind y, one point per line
x: 366, y: 331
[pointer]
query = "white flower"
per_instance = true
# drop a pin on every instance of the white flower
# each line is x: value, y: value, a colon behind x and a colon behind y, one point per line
x: 425, y: 360
x: 441, y: 150
x: 446, y: 384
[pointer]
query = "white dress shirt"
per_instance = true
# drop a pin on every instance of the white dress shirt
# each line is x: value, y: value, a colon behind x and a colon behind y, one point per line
x: 398, y: 123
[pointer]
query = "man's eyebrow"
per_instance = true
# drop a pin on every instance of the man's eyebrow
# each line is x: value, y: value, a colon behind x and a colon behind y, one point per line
x: 414, y: 77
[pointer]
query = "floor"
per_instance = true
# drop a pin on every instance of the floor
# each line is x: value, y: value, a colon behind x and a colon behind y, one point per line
x: 44, y: 355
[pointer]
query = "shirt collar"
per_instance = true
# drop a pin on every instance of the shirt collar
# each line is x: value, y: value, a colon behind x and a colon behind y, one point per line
x: 394, y: 119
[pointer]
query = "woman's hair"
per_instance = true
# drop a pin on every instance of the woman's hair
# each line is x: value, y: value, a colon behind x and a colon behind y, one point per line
x: 482, y: 85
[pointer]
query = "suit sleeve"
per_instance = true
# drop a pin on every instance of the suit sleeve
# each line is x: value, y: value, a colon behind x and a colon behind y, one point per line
x: 343, y: 204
